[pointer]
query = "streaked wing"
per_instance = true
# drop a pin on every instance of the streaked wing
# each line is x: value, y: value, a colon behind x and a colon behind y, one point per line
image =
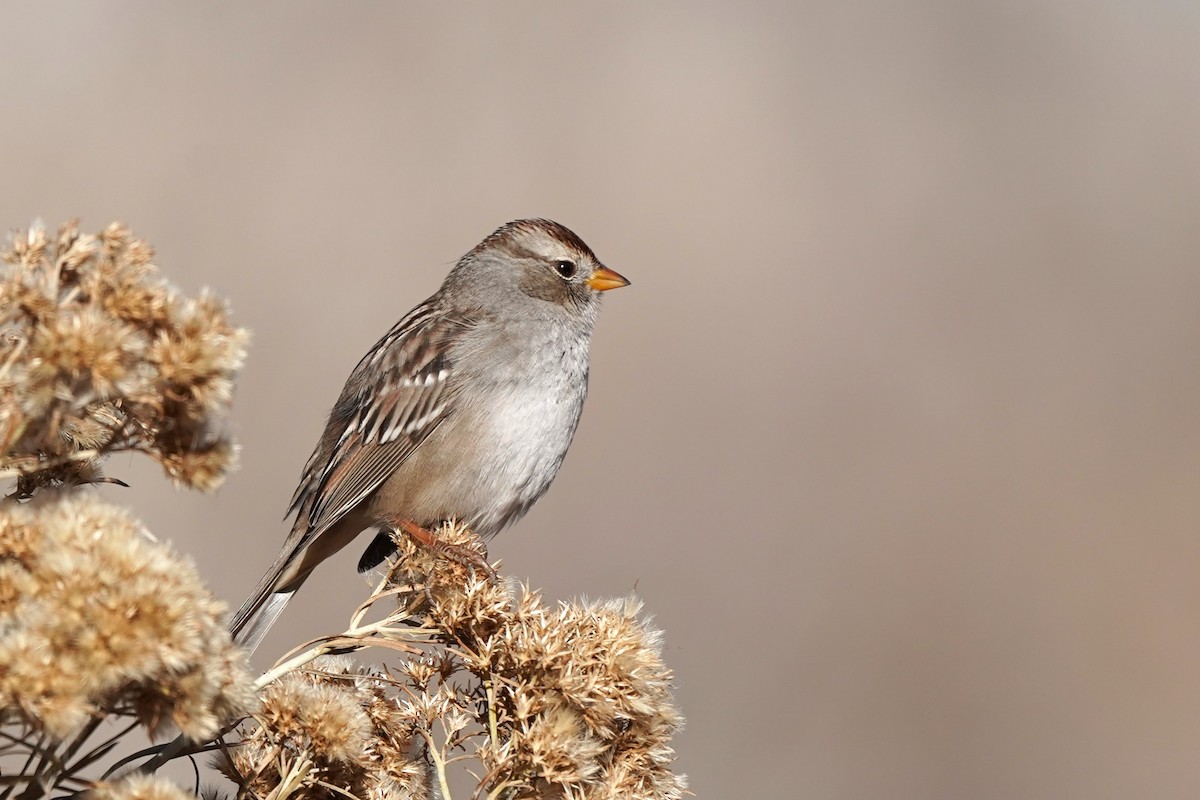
x: 397, y: 395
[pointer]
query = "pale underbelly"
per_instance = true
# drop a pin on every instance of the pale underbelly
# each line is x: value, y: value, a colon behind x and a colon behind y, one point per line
x: 499, y: 465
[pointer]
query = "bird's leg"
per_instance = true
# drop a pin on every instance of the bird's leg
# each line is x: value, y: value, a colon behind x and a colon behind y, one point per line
x: 459, y: 555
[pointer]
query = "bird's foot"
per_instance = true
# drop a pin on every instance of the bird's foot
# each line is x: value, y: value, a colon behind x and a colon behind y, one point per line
x: 463, y: 556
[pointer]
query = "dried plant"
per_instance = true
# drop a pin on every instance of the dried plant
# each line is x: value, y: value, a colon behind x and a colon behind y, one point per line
x: 139, y: 787
x: 489, y: 687
x: 569, y: 701
x: 101, y: 627
x: 98, y: 355
x: 99, y: 623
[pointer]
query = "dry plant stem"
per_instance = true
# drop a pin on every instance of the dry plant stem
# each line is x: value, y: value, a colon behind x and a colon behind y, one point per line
x: 34, y: 749
x: 51, y: 765
x: 147, y: 751
x: 353, y: 640
x: 17, y: 352
x: 179, y: 747
x: 337, y: 790
x: 495, y: 792
x: 42, y: 781
x: 356, y: 635
x: 101, y: 750
x: 82, y: 737
x: 292, y: 778
x: 244, y: 781
x: 489, y: 685
x: 439, y: 763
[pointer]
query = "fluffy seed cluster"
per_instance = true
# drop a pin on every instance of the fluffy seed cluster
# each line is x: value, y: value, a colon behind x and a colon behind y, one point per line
x: 565, y: 701
x: 97, y: 618
x: 586, y: 700
x: 331, y: 728
x: 99, y: 354
x: 139, y: 787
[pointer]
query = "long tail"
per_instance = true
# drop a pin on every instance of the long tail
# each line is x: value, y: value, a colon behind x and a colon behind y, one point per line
x: 303, y: 550
x: 252, y: 623
x: 264, y: 605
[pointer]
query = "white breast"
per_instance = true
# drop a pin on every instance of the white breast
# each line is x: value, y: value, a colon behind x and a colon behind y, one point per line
x: 527, y: 416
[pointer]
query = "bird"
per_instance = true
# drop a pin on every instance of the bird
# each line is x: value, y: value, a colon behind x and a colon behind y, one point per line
x: 463, y: 410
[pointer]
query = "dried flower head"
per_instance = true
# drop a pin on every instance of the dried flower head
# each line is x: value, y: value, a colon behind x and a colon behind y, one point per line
x: 331, y: 727
x: 585, y: 696
x: 139, y: 787
x: 97, y: 617
x: 98, y: 354
x: 572, y: 700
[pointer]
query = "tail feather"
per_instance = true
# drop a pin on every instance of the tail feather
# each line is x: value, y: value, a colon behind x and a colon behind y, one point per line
x: 303, y: 550
x: 264, y: 605
x: 251, y: 624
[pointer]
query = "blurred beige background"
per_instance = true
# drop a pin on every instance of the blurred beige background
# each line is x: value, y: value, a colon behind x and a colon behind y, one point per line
x: 897, y: 431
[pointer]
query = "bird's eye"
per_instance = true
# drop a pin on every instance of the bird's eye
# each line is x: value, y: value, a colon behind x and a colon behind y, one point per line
x: 565, y: 268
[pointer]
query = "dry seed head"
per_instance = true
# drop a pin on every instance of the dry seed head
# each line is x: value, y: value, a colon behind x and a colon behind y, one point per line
x: 462, y: 600
x: 322, y: 716
x: 337, y: 722
x: 586, y: 690
x: 138, y: 786
x: 106, y: 616
x: 98, y: 354
x: 580, y: 698
x: 558, y: 745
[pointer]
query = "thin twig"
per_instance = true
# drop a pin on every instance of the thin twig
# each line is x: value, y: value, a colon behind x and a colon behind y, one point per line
x: 337, y: 789
x: 106, y: 746
x: 355, y: 640
x: 34, y: 749
x: 196, y: 770
x: 438, y: 762
x: 83, y: 735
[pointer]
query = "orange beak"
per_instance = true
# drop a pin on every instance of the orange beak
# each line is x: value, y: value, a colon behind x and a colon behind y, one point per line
x: 604, y: 279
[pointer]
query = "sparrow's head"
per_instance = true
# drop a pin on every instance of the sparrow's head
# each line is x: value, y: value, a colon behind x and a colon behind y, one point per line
x: 537, y: 258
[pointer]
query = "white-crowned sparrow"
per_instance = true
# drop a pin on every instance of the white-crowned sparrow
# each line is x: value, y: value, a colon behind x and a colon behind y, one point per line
x: 463, y: 410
